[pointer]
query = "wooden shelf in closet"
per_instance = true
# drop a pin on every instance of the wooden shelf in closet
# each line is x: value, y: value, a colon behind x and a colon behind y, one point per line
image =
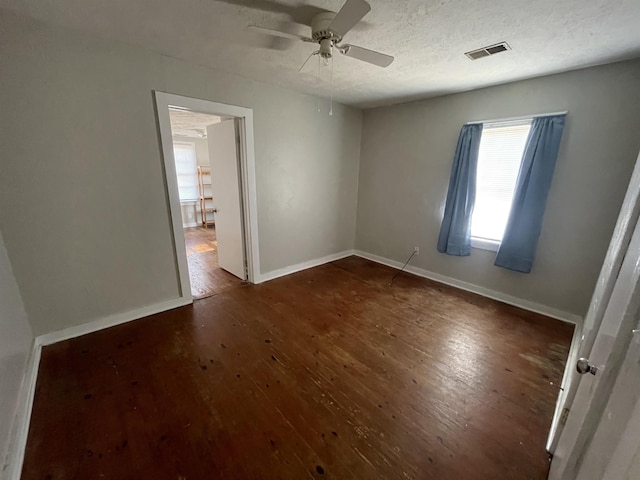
x: 205, y: 196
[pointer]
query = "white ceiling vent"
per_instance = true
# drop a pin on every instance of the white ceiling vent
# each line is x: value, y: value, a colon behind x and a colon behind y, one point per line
x: 486, y: 51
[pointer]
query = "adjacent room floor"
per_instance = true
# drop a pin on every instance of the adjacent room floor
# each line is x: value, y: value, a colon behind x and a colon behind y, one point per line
x: 207, y: 278
x: 327, y: 373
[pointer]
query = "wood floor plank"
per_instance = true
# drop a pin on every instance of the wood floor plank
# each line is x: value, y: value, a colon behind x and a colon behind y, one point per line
x: 328, y: 373
x: 205, y: 274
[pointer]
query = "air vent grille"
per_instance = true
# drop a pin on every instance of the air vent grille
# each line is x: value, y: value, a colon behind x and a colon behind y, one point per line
x: 487, y: 51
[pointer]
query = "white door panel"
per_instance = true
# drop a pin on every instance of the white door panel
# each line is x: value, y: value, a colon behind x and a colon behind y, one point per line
x: 610, y: 454
x: 225, y: 181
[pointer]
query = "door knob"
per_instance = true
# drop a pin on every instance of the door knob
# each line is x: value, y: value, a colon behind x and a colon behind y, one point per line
x: 583, y: 366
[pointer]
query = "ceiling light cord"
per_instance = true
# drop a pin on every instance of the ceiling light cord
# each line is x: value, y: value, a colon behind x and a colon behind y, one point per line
x: 400, y: 271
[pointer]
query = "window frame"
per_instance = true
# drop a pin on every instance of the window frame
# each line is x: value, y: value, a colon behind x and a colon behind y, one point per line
x: 485, y: 244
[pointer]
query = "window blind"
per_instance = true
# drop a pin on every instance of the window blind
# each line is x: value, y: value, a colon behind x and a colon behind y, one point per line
x: 499, y: 158
x: 186, y: 170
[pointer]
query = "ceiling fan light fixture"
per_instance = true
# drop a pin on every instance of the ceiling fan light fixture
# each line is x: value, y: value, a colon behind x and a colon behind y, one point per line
x: 326, y: 48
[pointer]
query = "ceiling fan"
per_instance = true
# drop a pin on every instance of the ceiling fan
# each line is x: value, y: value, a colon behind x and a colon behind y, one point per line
x: 328, y: 29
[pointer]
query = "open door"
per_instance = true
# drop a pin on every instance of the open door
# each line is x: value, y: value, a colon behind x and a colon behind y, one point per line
x: 614, y: 450
x: 605, y: 348
x: 225, y: 183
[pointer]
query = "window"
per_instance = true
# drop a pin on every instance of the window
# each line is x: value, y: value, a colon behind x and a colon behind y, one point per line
x: 499, y: 158
x: 186, y: 170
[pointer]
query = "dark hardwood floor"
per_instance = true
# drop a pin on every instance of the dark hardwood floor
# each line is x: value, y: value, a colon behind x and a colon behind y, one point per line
x: 327, y: 373
x: 207, y: 278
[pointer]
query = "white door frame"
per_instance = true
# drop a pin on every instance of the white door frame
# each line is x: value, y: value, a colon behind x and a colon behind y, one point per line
x: 248, y: 179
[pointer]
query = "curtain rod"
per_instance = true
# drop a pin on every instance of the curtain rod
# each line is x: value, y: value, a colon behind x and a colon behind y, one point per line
x: 515, y: 119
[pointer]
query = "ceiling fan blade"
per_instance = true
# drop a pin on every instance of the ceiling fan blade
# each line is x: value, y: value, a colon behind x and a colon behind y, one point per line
x: 307, y: 60
x: 366, y: 55
x: 351, y: 13
x: 278, y: 33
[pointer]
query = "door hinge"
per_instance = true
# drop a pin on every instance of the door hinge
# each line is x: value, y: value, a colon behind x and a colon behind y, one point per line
x: 564, y: 416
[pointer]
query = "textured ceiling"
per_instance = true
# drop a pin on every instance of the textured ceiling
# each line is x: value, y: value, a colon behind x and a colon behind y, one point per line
x: 427, y: 37
x: 191, y: 124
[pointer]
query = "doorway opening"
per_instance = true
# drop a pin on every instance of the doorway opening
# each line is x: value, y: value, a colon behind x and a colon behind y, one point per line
x: 196, y: 138
x: 210, y: 179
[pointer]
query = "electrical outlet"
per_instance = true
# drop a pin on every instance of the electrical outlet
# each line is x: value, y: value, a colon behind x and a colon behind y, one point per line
x: 416, y: 250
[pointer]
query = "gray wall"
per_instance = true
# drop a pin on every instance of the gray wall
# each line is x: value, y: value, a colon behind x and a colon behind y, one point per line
x: 405, y: 164
x: 84, y: 210
x: 15, y: 344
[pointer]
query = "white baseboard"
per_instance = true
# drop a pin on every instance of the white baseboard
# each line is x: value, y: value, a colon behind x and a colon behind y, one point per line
x: 485, y: 292
x: 22, y: 420
x: 190, y: 225
x: 281, y: 272
x: 111, y: 321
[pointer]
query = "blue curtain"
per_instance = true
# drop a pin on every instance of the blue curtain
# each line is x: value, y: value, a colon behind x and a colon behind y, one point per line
x: 455, y: 231
x: 520, y: 239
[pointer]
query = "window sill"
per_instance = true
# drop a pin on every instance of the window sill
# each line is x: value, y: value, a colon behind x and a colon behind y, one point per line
x: 485, y: 244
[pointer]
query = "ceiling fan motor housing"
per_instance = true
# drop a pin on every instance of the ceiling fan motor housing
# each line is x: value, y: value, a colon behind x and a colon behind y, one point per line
x: 320, y: 29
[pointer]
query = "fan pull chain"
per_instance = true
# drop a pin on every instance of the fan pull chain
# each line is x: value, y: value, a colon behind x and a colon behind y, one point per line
x: 331, y: 98
x: 318, y: 82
